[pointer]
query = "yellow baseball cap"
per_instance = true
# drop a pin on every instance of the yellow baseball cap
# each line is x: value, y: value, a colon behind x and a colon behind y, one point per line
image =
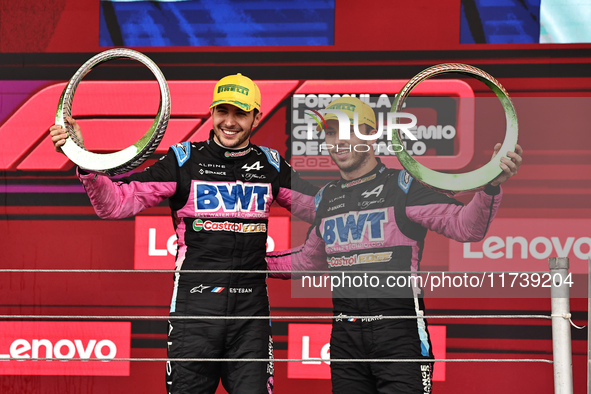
x: 350, y: 106
x: 237, y: 90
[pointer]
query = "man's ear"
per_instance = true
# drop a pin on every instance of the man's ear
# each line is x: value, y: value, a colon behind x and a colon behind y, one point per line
x: 257, y: 119
x: 371, y: 131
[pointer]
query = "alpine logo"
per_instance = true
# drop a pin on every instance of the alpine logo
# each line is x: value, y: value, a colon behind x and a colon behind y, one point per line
x: 375, y: 192
x: 336, y: 198
x: 256, y: 166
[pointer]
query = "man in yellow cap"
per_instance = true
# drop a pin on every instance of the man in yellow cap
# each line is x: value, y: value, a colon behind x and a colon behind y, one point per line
x: 375, y: 218
x: 235, y: 110
x: 220, y: 192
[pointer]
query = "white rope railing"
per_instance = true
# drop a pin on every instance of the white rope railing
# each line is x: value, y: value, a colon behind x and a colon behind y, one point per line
x: 208, y: 317
x: 559, y: 313
x: 342, y: 360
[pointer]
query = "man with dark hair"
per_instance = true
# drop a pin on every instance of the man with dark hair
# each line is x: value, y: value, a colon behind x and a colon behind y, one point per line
x: 376, y: 219
x: 220, y: 192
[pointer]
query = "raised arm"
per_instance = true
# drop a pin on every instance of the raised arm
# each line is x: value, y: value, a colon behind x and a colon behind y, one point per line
x: 126, y: 196
x: 447, y: 216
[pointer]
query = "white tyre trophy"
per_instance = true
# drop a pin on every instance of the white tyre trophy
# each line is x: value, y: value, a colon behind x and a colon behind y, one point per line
x: 454, y: 183
x: 131, y: 157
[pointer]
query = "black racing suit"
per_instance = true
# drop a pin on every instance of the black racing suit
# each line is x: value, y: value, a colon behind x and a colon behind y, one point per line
x: 220, y: 201
x: 378, y: 222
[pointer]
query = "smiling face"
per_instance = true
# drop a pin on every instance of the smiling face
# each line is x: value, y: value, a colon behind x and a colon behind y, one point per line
x: 354, y: 157
x: 233, y: 126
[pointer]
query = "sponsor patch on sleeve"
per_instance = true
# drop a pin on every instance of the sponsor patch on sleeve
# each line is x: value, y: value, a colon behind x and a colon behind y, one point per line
x: 182, y: 152
x: 404, y: 181
x: 318, y: 198
x: 272, y: 156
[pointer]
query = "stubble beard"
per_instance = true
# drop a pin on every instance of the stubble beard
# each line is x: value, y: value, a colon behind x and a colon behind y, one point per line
x: 352, y: 163
x: 245, y: 136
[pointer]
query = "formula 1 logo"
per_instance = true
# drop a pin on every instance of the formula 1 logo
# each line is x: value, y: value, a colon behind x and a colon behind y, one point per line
x: 355, y: 227
x: 133, y: 112
x: 231, y: 197
x: 190, y: 121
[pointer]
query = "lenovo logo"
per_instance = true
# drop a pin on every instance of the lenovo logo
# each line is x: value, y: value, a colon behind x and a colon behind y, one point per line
x: 539, y: 248
x: 311, y: 344
x: 63, y: 349
x: 67, y: 342
x: 525, y: 245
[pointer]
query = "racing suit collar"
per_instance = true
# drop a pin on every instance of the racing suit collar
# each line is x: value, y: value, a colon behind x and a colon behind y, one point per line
x: 227, y: 153
x: 378, y: 169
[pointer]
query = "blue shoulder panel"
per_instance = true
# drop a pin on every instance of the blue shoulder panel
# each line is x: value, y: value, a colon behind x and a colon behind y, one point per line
x: 182, y: 152
x: 404, y: 181
x: 272, y: 156
x: 318, y: 198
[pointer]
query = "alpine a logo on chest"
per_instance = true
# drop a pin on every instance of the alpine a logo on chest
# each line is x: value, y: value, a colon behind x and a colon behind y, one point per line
x: 354, y: 227
x: 254, y: 167
x: 232, y: 199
